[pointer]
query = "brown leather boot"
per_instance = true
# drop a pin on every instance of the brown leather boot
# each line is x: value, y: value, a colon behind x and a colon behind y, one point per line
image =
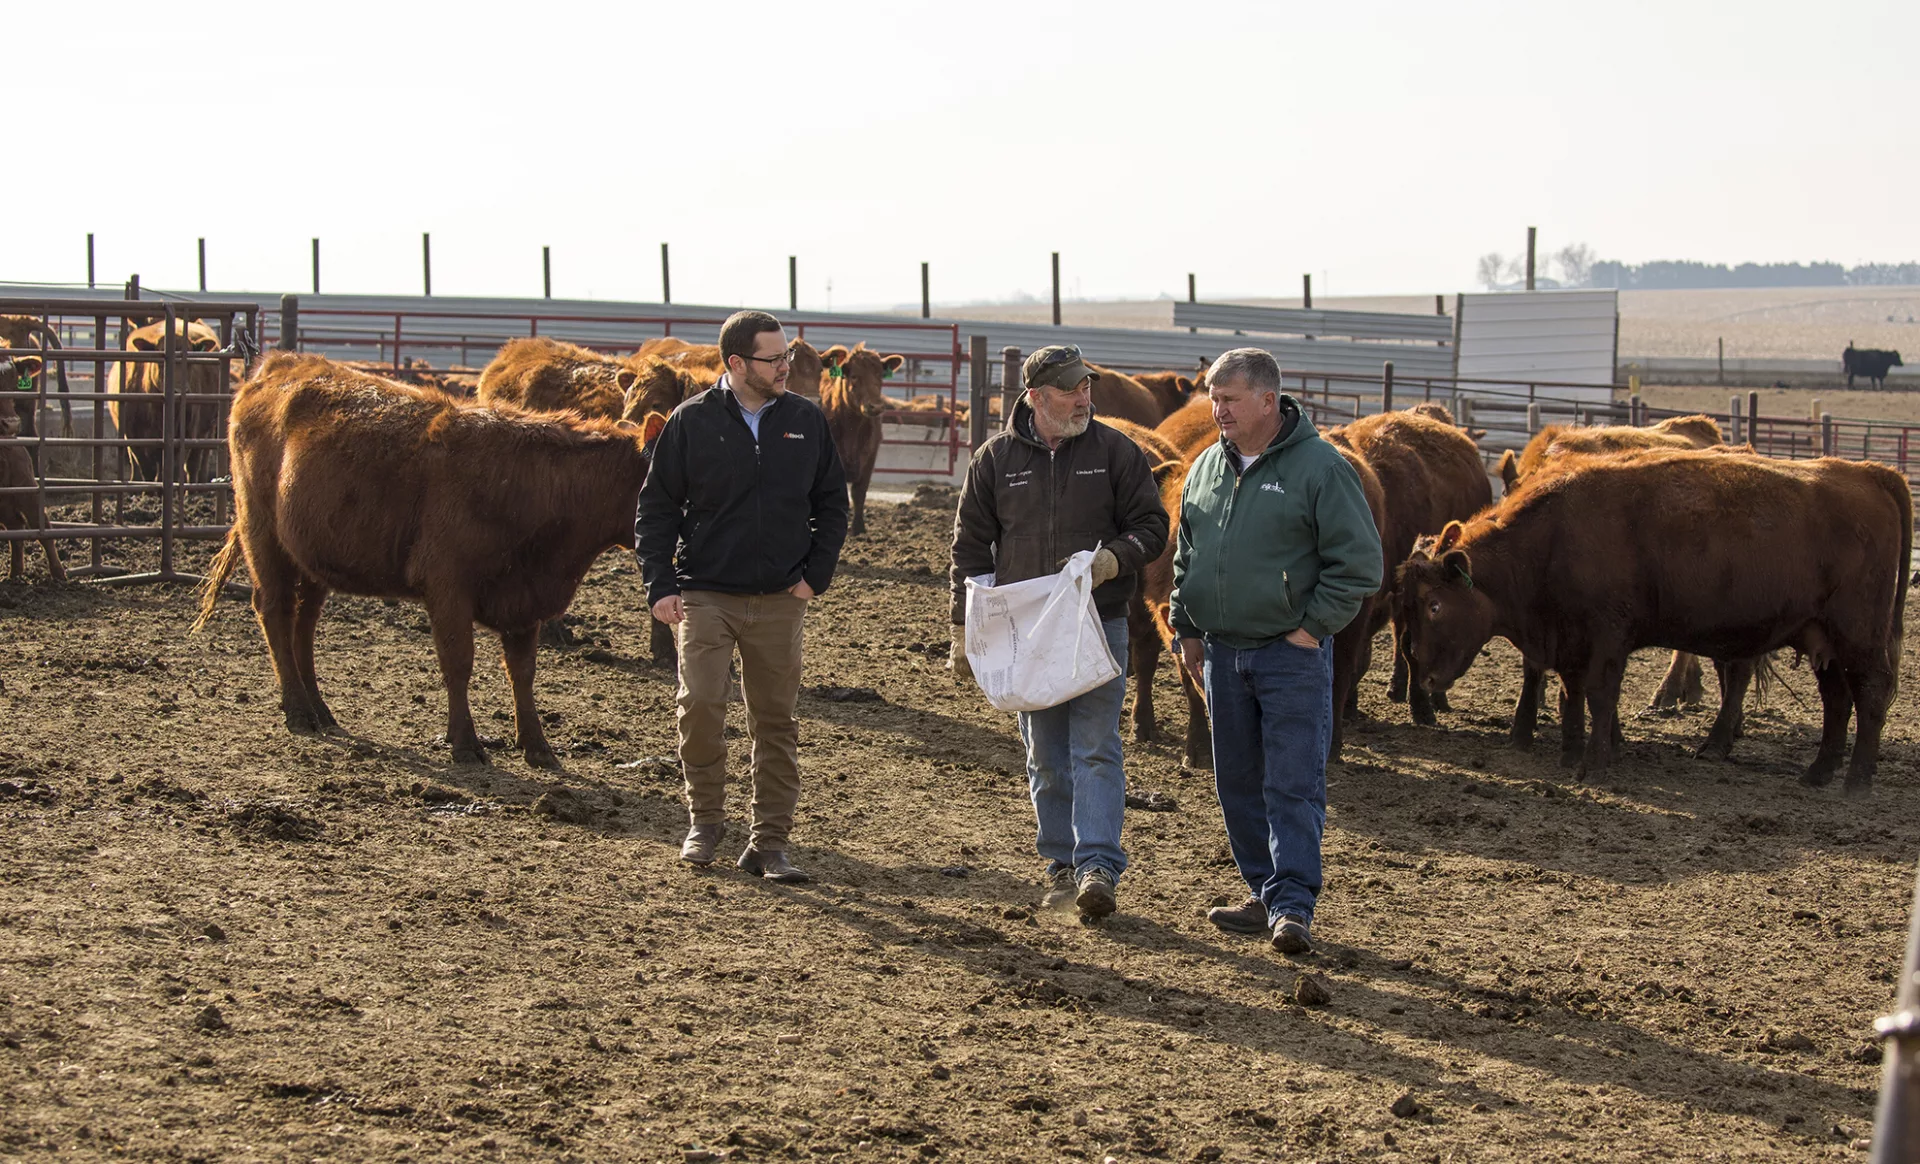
x: 1249, y: 917
x: 772, y: 867
x: 702, y: 840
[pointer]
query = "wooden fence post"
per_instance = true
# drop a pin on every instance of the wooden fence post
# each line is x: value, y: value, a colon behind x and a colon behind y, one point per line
x: 1753, y: 419
x: 1533, y: 419
x: 1386, y: 386
x: 1306, y: 292
x: 1733, y: 419
x: 977, y: 394
x: 1826, y: 434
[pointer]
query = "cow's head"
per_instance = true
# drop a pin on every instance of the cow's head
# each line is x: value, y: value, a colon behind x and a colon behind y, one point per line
x: 865, y: 373
x: 1444, y: 617
x: 654, y: 385
x: 188, y: 335
x: 1896, y: 360
x: 16, y: 372
x: 805, y: 370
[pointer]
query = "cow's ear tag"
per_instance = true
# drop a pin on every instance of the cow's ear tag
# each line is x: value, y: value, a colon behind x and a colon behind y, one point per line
x: 1468, y: 577
x: 26, y: 383
x: 887, y: 375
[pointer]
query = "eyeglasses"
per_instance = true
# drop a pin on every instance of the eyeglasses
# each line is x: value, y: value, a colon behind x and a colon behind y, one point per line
x: 785, y: 357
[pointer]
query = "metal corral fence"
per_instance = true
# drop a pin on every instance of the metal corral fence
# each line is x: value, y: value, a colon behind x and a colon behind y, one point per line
x: 92, y: 460
x: 95, y: 460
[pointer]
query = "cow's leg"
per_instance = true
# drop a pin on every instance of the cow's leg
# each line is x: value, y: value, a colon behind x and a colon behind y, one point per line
x: 1603, y: 699
x: 1199, y: 730
x: 1573, y: 718
x: 857, y: 500
x: 1526, y: 713
x: 1349, y: 660
x: 1681, y: 684
x: 1439, y: 699
x: 1872, y: 690
x: 308, y: 597
x: 1143, y: 654
x: 18, y: 553
x: 1836, y: 705
x: 661, y: 642
x: 1364, y: 663
x: 519, y: 649
x: 452, y: 621
x: 1734, y: 678
x: 275, y: 583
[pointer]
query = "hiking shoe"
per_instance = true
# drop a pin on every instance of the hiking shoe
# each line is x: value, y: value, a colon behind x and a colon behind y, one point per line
x: 702, y: 840
x: 1249, y: 917
x: 1096, y: 898
x: 1290, y: 935
x: 772, y: 867
x: 1060, y: 891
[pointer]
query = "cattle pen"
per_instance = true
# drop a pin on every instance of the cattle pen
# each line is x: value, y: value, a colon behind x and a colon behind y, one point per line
x: 950, y: 375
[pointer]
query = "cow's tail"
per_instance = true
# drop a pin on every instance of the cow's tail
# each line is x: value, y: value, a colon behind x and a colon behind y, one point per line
x: 217, y: 575
x: 1765, y: 676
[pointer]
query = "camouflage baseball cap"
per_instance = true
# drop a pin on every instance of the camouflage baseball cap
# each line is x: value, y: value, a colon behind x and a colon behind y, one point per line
x: 1059, y: 365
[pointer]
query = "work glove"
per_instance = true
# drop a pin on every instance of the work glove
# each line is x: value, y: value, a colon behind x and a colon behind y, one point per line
x: 957, y: 656
x: 1106, y: 567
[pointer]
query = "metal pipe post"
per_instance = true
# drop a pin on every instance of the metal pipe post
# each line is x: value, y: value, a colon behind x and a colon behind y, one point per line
x: 1306, y: 292
x: 90, y: 261
x: 1531, y: 232
x: 1386, y: 387
x: 666, y: 278
x: 169, y: 441
x: 1896, y: 1122
x: 1056, y: 288
x: 203, y: 264
x: 289, y: 323
x: 926, y: 297
x: 1753, y: 417
x: 793, y: 282
x: 426, y: 264
x: 1190, y: 297
x: 1009, y: 381
x: 316, y: 266
x: 977, y: 394
x: 546, y: 272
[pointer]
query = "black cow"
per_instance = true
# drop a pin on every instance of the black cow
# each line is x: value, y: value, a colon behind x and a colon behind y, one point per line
x: 1871, y: 363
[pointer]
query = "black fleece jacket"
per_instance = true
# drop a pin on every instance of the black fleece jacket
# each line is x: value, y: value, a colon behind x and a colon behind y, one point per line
x: 1025, y: 506
x: 721, y: 511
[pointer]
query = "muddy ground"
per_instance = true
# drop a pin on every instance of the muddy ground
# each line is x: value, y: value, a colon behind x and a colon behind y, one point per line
x: 220, y: 941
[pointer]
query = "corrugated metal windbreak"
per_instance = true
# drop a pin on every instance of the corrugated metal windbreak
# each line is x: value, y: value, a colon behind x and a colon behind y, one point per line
x: 1525, y: 336
x: 1364, y: 325
x: 442, y: 340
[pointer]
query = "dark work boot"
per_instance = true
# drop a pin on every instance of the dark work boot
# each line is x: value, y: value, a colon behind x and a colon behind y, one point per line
x: 772, y: 867
x: 702, y: 840
x: 1249, y: 917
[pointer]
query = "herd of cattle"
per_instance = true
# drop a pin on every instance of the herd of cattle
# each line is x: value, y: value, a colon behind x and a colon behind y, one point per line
x: 491, y: 510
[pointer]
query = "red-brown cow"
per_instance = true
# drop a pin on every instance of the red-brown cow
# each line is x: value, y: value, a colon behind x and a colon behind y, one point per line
x: 30, y: 331
x: 1143, y: 633
x: 1725, y: 555
x: 703, y: 363
x: 138, y: 388
x: 343, y: 481
x: 1118, y: 396
x: 1171, y: 390
x: 1192, y: 428
x: 20, y: 510
x: 853, y: 399
x: 1431, y: 474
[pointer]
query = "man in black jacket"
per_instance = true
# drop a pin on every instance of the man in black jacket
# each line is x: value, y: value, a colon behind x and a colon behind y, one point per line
x: 1053, y: 482
x: 740, y: 526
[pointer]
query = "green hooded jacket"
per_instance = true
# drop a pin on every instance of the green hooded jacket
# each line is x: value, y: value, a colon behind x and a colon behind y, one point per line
x: 1287, y: 543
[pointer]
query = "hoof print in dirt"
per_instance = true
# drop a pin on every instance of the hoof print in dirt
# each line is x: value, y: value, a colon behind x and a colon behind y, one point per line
x: 29, y: 790
x: 1312, y: 990
x: 565, y: 806
x: 272, y: 822
x: 1152, y: 802
x: 210, y: 1020
x: 955, y: 871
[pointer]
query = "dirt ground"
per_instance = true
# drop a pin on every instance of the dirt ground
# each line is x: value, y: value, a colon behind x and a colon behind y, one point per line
x: 219, y: 941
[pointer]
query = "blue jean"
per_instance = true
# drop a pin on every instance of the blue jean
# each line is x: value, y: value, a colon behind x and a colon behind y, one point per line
x: 1074, y: 771
x: 1272, y: 711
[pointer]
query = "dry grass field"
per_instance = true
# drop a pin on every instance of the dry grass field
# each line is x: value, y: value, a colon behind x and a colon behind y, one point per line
x: 219, y: 941
x: 1768, y: 323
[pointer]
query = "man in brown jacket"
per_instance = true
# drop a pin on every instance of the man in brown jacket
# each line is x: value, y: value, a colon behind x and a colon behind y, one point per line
x: 1053, y: 482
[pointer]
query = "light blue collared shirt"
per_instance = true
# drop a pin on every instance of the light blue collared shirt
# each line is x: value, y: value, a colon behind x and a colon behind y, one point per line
x: 751, y: 417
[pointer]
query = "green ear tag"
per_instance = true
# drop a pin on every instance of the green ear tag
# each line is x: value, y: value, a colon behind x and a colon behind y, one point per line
x: 1465, y: 575
x: 887, y: 375
x: 26, y: 383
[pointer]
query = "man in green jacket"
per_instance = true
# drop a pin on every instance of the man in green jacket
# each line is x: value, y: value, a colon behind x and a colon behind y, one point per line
x: 1276, y: 551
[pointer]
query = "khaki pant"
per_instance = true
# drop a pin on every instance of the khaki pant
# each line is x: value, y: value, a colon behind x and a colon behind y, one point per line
x: 765, y: 628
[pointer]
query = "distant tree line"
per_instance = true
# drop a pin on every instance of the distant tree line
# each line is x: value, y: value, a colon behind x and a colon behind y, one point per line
x: 1575, y: 266
x: 1667, y: 274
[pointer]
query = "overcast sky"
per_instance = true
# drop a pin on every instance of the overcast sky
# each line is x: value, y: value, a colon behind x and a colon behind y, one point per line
x: 1382, y: 147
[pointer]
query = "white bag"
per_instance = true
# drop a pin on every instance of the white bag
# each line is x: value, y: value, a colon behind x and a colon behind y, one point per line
x: 1038, y: 643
